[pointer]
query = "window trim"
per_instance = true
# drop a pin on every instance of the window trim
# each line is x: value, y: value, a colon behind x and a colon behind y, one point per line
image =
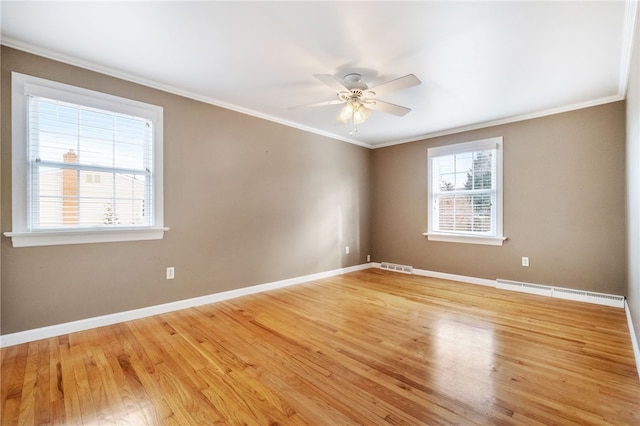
x: 461, y: 237
x: 21, y: 235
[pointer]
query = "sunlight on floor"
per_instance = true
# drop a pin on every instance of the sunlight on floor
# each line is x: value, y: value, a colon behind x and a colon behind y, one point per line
x: 466, y: 356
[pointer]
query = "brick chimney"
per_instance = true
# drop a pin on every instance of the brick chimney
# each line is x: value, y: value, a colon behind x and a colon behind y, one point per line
x: 70, y: 190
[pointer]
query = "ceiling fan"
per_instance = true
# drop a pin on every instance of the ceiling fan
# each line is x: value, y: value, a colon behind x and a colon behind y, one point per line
x: 359, y: 98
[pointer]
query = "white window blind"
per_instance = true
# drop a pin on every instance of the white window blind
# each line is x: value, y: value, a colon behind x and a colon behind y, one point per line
x: 465, y: 198
x: 86, y: 166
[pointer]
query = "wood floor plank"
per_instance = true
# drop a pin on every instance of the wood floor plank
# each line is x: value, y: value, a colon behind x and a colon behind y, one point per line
x: 145, y: 363
x: 370, y: 348
x: 29, y: 387
x: 12, y: 377
x: 42, y: 394
x: 73, y: 414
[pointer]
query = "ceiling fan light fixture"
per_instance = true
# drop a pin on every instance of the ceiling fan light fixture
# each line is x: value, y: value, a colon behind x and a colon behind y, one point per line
x: 345, y: 113
x: 355, y: 111
x: 360, y: 114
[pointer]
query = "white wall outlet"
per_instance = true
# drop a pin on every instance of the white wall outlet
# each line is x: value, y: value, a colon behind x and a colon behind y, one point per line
x: 368, y: 258
x: 346, y: 250
x: 171, y: 273
x: 525, y: 261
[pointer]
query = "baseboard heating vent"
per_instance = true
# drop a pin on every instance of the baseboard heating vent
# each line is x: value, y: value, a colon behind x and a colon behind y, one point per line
x: 591, y: 297
x: 397, y: 268
x: 540, y: 290
x: 563, y: 293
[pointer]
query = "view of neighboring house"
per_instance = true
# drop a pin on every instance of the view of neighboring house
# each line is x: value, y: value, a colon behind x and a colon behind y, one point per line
x: 85, y: 198
x: 464, y: 192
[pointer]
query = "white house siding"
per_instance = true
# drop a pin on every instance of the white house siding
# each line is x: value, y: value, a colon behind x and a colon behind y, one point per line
x: 103, y: 199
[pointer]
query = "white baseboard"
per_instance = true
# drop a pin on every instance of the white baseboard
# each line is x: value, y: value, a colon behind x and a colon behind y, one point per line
x: 444, y: 276
x: 453, y: 277
x: 89, y: 323
x: 537, y: 289
x: 634, y: 339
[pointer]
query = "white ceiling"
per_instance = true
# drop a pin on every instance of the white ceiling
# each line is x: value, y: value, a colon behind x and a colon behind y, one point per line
x: 480, y: 63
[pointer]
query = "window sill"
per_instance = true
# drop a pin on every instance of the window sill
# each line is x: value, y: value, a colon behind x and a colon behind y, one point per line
x: 55, y: 238
x: 465, y: 239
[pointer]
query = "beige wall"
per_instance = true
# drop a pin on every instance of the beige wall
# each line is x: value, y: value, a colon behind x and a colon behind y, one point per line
x: 633, y: 186
x: 564, y: 204
x: 248, y: 201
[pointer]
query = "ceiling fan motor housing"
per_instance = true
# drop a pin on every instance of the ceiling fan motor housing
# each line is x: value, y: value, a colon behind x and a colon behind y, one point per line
x: 354, y: 81
x: 351, y: 94
x: 356, y: 87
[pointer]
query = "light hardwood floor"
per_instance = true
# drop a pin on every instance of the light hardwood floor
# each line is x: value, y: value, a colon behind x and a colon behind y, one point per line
x: 370, y: 347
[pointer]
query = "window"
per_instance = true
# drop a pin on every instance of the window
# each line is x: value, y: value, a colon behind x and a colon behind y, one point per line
x: 465, y: 192
x: 87, y: 166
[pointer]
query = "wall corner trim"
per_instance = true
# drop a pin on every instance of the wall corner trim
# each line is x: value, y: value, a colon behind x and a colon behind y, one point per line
x: 104, y: 320
x: 634, y: 339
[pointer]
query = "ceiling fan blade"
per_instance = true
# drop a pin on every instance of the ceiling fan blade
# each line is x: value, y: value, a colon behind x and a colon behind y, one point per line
x: 393, y: 85
x: 331, y: 82
x: 387, y: 107
x: 315, y: 104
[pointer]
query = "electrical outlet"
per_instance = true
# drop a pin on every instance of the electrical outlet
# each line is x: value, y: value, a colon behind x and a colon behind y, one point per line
x: 346, y: 250
x: 368, y: 258
x: 171, y: 273
x: 525, y: 261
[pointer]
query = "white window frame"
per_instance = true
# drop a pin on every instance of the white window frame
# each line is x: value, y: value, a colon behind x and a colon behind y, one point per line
x: 497, y: 238
x: 21, y: 235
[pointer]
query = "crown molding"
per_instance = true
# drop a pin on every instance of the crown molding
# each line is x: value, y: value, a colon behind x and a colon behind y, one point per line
x: 91, y: 66
x: 630, y: 20
x: 506, y: 120
x: 628, y: 43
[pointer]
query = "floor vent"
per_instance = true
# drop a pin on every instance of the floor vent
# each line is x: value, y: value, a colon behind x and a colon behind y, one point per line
x: 563, y: 293
x: 397, y: 268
